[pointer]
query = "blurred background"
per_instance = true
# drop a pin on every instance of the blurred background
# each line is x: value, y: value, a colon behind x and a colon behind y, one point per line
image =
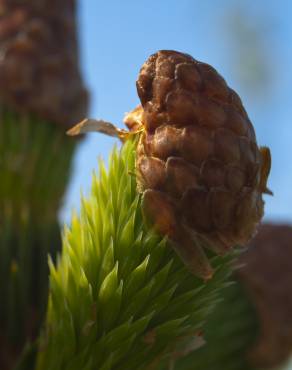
x: 248, y: 42
x: 42, y: 94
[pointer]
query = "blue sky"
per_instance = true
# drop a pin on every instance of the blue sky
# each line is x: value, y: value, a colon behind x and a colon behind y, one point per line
x: 116, y: 37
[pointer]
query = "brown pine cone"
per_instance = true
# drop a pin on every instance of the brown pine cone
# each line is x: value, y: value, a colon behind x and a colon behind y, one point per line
x: 198, y: 162
x: 267, y: 276
x: 39, y: 67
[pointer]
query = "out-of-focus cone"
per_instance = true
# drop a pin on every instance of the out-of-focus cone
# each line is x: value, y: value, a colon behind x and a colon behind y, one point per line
x: 41, y: 95
x: 267, y: 278
x: 251, y: 328
x: 39, y: 67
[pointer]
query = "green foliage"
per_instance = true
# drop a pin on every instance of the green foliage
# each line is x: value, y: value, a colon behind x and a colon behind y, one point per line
x: 35, y: 158
x: 27, y: 357
x: 34, y: 167
x: 119, y: 296
x: 229, y: 334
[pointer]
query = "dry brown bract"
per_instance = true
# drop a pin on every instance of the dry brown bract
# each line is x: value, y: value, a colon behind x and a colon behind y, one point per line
x: 198, y: 163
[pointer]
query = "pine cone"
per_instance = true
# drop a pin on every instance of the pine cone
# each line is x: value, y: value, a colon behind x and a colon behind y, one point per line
x: 198, y: 163
x: 39, y: 70
x: 267, y: 277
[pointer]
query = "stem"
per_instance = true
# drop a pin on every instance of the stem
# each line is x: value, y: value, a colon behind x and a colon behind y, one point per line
x: 35, y: 165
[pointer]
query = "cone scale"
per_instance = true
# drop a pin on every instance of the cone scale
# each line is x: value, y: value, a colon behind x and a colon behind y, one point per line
x: 198, y: 159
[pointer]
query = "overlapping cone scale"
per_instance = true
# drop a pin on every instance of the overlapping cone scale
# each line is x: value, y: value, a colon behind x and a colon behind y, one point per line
x: 39, y: 66
x: 198, y: 162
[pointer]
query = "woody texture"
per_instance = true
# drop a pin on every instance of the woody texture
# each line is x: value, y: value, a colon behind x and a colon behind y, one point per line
x: 39, y: 69
x: 199, y: 166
